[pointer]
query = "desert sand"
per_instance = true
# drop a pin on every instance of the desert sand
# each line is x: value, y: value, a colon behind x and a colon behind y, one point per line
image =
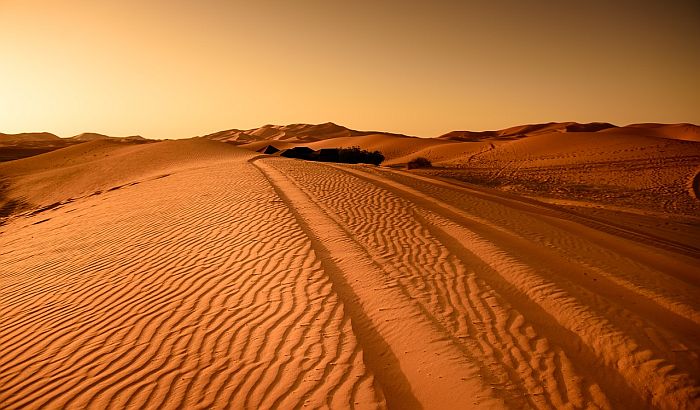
x: 547, y: 266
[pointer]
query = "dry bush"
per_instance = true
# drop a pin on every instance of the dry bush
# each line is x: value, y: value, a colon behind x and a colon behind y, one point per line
x: 420, y: 162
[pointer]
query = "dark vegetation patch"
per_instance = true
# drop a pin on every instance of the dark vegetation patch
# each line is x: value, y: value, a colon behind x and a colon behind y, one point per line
x: 268, y: 149
x: 420, y: 162
x: 353, y: 155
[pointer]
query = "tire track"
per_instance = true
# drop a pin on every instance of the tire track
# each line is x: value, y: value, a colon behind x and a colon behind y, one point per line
x: 426, y: 271
x: 569, y: 327
x: 643, y: 353
x: 382, y: 312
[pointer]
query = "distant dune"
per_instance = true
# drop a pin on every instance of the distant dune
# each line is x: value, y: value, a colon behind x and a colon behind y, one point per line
x: 544, y: 266
x: 28, y: 136
x: 647, y: 166
x: 688, y: 132
x: 91, y: 136
x: 287, y: 133
x: 639, y: 166
x: 17, y: 146
x: 526, y: 131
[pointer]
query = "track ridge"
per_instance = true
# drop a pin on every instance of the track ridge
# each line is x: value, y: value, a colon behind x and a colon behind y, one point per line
x: 633, y: 359
x: 375, y: 325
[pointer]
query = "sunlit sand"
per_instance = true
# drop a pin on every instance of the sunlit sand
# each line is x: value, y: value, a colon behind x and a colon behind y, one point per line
x: 535, y: 268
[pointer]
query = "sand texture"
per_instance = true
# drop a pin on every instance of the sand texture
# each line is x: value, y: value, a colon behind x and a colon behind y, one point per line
x: 196, y: 274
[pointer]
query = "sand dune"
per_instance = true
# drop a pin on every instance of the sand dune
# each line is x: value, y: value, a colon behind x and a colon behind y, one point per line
x: 526, y: 131
x: 28, y: 136
x: 197, y: 289
x: 397, y: 150
x: 195, y: 274
x: 18, y: 146
x: 15, y: 146
x: 688, y: 132
x: 93, y: 136
x: 287, y: 133
x: 94, y: 167
x: 649, y: 168
x: 619, y: 169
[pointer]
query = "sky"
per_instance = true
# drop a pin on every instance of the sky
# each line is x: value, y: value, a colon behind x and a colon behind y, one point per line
x: 177, y: 69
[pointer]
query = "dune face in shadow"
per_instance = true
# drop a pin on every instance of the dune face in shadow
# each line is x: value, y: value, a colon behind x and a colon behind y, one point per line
x: 17, y: 146
x: 198, y: 274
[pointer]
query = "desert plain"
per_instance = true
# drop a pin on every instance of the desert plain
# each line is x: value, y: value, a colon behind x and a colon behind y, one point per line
x: 547, y: 266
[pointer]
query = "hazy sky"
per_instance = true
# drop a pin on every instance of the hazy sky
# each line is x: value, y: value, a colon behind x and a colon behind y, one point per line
x: 175, y: 68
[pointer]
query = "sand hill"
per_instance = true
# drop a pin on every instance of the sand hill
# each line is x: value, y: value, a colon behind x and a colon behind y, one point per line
x: 92, y: 136
x: 639, y: 166
x: 552, y: 267
x: 526, y: 131
x: 28, y: 137
x: 287, y: 133
x: 17, y: 146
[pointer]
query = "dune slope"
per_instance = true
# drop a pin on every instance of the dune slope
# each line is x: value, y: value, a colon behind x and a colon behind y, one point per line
x: 237, y: 280
x: 193, y: 290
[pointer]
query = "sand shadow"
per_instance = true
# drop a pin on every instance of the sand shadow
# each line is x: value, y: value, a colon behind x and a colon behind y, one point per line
x: 9, y: 206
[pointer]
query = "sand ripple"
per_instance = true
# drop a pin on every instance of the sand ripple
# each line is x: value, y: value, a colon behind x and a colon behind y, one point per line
x: 257, y: 282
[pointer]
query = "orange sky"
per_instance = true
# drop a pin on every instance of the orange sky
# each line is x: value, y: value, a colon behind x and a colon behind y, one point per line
x: 175, y: 68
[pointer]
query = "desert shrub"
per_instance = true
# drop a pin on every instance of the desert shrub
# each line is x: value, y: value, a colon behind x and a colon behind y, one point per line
x: 419, y: 162
x: 329, y: 155
x: 355, y: 155
x: 300, y: 153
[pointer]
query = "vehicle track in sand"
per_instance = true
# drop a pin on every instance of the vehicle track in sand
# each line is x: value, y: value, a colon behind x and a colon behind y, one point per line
x: 540, y: 304
x: 258, y: 282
